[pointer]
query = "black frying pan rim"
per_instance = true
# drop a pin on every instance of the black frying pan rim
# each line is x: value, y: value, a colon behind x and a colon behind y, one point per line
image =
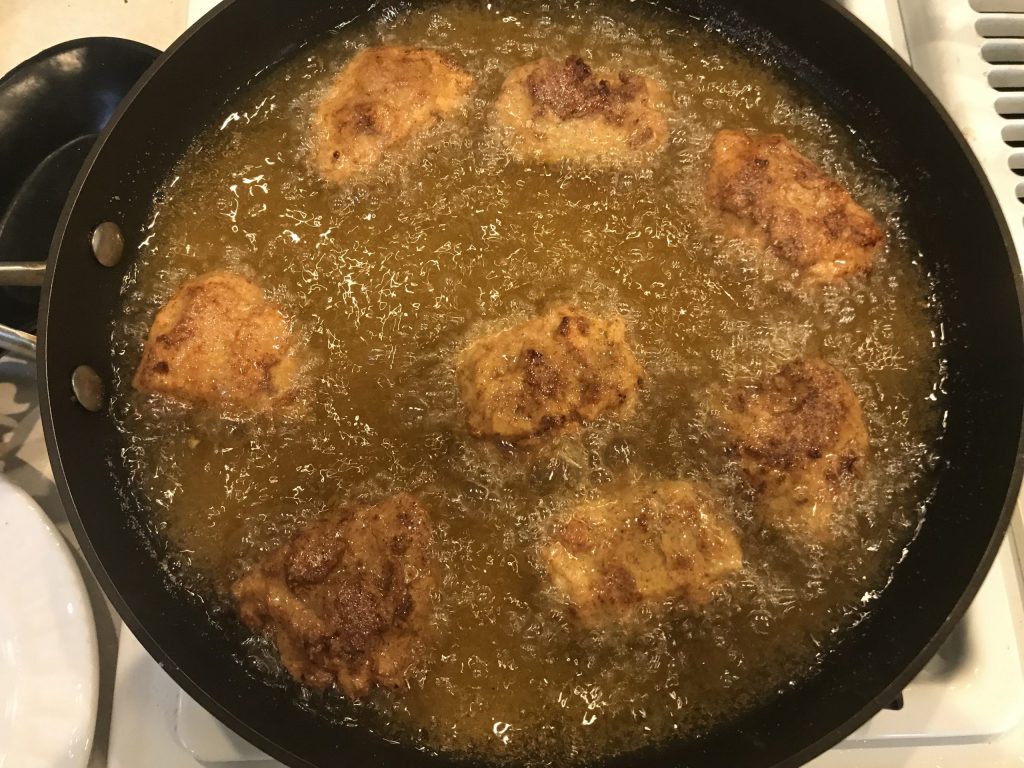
x: 50, y: 390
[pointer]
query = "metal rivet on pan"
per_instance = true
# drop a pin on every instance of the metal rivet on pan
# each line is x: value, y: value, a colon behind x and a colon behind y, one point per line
x: 88, y: 388
x: 107, y: 243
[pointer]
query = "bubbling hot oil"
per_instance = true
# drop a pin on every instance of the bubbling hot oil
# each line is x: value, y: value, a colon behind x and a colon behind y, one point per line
x: 386, y: 281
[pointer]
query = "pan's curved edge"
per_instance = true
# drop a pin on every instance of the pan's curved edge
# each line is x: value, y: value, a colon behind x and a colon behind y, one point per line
x: 888, y: 694
x: 49, y: 389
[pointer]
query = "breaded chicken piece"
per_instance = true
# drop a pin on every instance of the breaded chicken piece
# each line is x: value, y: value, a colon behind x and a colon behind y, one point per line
x: 649, y: 546
x: 800, y: 438
x: 382, y: 99
x: 562, y: 110
x: 562, y: 368
x: 219, y: 342
x: 768, y: 192
x: 348, y: 600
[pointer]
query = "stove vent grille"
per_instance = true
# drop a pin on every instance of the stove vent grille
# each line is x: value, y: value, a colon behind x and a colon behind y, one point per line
x: 1001, y: 26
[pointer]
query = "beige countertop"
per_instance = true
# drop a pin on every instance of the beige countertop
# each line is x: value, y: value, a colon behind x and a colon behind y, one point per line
x: 30, y: 26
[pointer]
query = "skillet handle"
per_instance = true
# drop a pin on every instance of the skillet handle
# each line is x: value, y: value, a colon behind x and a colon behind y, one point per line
x: 17, y: 343
x: 20, y: 273
x: 52, y: 107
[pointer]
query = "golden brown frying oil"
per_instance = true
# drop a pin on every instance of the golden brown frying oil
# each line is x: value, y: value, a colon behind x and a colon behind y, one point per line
x: 387, y: 280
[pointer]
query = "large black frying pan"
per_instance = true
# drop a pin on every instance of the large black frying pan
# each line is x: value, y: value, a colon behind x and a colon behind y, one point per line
x: 951, y: 211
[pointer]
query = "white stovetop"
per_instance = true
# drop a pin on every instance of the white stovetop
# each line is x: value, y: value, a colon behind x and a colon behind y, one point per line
x: 146, y: 731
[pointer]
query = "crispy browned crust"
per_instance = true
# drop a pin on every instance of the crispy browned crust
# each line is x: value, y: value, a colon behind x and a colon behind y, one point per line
x: 768, y: 192
x: 555, y: 110
x: 560, y: 369
x: 219, y: 342
x: 347, y: 600
x: 649, y: 546
x: 800, y: 438
x: 383, y: 98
